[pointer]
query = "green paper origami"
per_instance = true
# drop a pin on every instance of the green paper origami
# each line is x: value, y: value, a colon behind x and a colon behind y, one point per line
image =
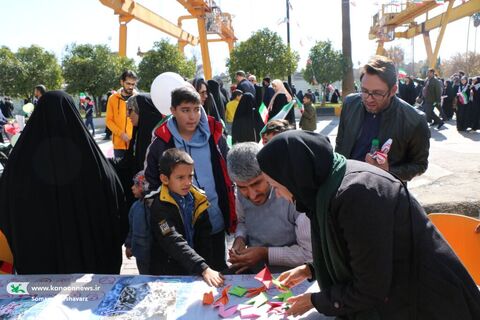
x: 238, y: 291
x: 284, y: 296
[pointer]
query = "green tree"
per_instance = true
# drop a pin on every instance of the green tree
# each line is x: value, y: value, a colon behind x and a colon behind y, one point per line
x: 162, y: 58
x: 93, y: 69
x: 397, y: 55
x: 37, y: 66
x: 9, y: 69
x: 263, y: 54
x: 324, y: 65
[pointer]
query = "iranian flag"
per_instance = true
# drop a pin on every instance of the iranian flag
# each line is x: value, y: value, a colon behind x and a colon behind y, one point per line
x: 402, y: 73
x: 263, y: 113
x: 285, y: 110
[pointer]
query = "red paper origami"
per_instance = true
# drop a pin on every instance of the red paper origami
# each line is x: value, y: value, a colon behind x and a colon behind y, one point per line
x: 208, y: 297
x: 255, y: 291
x: 265, y: 277
x: 224, y: 298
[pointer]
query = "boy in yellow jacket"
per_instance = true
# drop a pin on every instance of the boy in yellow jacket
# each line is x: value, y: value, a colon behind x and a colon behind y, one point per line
x: 117, y: 118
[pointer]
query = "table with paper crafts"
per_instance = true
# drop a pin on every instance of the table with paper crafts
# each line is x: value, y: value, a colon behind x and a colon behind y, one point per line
x: 152, y: 297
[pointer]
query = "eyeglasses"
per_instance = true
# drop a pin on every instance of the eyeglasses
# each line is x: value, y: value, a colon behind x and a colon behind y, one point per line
x: 374, y: 94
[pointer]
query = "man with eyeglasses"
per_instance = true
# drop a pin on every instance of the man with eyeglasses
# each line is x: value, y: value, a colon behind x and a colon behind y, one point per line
x: 377, y: 113
x: 117, y: 119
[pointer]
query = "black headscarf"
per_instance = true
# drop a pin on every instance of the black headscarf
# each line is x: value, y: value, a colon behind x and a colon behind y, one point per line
x: 148, y: 118
x: 247, y: 122
x: 220, y: 100
x: 59, y: 197
x: 299, y: 160
x: 210, y: 105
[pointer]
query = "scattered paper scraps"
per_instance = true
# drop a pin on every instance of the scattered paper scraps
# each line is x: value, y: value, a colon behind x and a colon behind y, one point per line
x: 223, y: 298
x: 208, y: 298
x: 264, y: 277
x: 238, y: 291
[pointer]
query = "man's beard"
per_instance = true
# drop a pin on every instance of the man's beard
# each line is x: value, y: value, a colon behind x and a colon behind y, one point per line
x: 127, y: 92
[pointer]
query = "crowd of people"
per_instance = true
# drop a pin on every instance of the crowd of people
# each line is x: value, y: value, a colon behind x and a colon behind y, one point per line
x: 457, y: 96
x: 175, y: 189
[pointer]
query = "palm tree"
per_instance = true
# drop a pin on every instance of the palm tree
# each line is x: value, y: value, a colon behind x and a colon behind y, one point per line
x: 347, y: 82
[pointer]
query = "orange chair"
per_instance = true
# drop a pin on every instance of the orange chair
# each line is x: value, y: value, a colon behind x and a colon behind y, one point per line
x: 6, y: 257
x: 459, y: 231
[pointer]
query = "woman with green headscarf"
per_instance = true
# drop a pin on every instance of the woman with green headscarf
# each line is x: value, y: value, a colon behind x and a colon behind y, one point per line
x: 376, y: 255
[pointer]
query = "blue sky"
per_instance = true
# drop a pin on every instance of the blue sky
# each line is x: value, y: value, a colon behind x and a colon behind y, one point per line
x: 53, y: 24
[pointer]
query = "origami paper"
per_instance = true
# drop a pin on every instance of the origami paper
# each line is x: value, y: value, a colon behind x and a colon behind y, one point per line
x: 279, y: 286
x: 226, y: 313
x: 277, y: 307
x: 255, y: 291
x: 253, y: 313
x: 208, y: 297
x: 223, y: 298
x: 284, y: 296
x: 259, y: 300
x: 264, y: 277
x: 238, y: 291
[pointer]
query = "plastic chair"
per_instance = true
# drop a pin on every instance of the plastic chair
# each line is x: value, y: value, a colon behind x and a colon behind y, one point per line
x: 459, y: 231
x: 6, y: 257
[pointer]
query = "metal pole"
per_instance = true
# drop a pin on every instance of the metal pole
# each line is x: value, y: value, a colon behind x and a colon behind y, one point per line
x: 288, y: 38
x: 413, y: 57
x: 466, y: 51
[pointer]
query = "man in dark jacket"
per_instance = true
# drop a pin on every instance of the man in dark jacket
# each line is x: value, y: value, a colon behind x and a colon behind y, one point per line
x: 190, y: 129
x: 243, y: 84
x: 377, y: 113
x: 432, y: 95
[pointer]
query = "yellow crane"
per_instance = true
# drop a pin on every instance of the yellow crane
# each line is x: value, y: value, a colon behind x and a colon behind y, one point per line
x: 210, y: 20
x: 399, y: 20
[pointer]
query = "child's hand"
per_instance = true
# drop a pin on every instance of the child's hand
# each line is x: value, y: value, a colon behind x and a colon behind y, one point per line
x: 128, y: 252
x: 212, y: 277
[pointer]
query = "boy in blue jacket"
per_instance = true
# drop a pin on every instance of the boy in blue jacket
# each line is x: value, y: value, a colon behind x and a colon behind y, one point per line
x: 139, y: 236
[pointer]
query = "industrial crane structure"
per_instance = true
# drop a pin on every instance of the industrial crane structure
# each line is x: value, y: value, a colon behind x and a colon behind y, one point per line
x: 401, y: 20
x: 210, y: 20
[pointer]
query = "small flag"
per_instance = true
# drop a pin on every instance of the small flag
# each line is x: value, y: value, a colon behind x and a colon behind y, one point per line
x: 280, y: 115
x: 285, y: 110
x: 402, y: 73
x: 263, y: 113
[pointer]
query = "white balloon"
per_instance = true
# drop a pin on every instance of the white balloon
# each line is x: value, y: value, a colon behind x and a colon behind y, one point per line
x: 162, y: 88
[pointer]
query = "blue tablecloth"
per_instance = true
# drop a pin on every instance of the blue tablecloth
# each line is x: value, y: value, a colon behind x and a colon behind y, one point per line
x: 89, y: 296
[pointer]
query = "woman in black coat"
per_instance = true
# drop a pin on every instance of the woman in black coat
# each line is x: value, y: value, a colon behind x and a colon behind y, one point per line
x: 60, y: 199
x: 281, y: 97
x: 463, y: 105
x: 218, y: 97
x: 247, y: 122
x: 376, y: 255
x: 449, y: 94
x: 475, y: 105
x: 410, y: 92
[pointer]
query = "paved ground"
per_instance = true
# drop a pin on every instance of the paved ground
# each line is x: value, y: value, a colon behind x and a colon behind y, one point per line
x: 451, y: 183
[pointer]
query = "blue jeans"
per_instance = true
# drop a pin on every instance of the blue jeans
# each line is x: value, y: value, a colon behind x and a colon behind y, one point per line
x: 119, y: 153
x: 89, y: 121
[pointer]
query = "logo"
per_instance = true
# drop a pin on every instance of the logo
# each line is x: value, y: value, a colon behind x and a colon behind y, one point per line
x: 17, y: 288
x: 164, y: 228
